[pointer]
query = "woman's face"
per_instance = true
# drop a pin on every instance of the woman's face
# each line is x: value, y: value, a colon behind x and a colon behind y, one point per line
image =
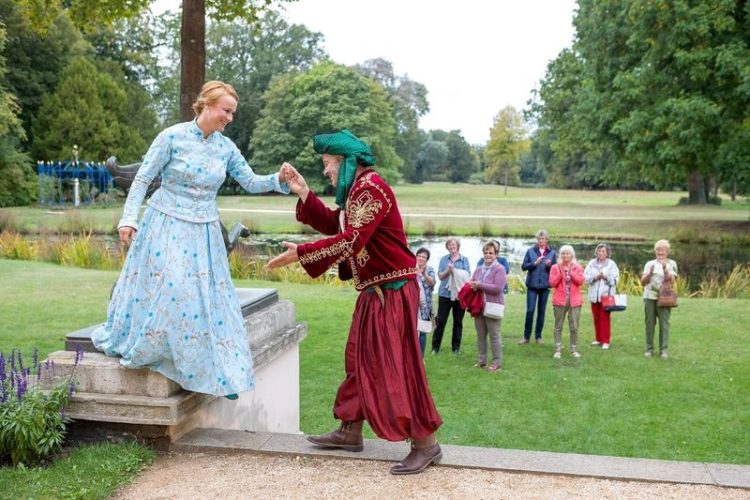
x: 220, y: 113
x: 566, y: 256
x: 661, y: 252
x: 452, y: 247
x: 489, y: 255
x: 421, y: 260
x: 541, y: 241
x: 601, y: 253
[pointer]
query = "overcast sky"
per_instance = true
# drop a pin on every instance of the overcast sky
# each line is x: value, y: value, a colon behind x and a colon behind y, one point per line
x: 474, y: 56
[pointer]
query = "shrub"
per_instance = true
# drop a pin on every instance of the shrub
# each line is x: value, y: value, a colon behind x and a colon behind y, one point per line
x: 32, y: 421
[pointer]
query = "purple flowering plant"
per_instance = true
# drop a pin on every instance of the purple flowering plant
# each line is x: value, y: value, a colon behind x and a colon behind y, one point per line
x: 33, y: 419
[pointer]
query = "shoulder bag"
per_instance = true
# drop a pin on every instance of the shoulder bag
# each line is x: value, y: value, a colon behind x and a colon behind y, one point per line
x: 493, y: 310
x: 667, y: 295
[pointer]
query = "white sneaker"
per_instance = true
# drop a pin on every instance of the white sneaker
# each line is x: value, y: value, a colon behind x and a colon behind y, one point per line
x: 664, y: 355
x: 596, y: 342
x: 605, y: 346
x: 648, y: 354
x: 576, y: 354
x: 557, y: 355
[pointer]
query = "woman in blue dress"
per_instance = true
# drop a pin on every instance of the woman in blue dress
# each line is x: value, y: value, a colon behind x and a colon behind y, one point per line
x: 174, y: 308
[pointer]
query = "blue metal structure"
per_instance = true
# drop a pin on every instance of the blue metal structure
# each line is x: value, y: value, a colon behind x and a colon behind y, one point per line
x: 56, y: 180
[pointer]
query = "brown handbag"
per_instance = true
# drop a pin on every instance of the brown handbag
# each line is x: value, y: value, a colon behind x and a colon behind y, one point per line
x: 667, y: 295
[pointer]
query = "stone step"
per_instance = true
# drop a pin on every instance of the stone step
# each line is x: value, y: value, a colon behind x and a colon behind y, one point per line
x: 97, y: 373
x: 142, y: 410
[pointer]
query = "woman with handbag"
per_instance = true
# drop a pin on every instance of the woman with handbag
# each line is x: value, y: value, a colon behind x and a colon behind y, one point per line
x: 426, y: 280
x: 658, y: 279
x: 601, y: 275
x: 490, y: 278
x: 566, y: 277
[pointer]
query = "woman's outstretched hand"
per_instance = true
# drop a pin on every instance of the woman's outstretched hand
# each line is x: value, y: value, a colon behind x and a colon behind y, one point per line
x: 288, y: 257
x: 294, y: 179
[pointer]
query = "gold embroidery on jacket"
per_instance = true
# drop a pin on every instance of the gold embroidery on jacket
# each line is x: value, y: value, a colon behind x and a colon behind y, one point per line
x: 362, y: 210
x: 366, y: 180
x: 343, y: 249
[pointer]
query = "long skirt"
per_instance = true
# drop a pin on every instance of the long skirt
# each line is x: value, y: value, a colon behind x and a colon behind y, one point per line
x: 174, y: 308
x: 385, y: 380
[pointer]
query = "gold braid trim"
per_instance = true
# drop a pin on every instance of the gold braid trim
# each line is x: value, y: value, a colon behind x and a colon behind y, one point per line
x: 343, y: 249
x: 383, y: 277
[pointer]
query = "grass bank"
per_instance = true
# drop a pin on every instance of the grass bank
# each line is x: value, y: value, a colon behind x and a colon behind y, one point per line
x: 436, y: 208
x: 689, y: 407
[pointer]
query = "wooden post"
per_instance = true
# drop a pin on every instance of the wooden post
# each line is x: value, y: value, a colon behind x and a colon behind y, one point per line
x: 192, y: 55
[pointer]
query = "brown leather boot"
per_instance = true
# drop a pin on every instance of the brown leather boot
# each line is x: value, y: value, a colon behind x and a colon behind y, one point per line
x: 347, y: 437
x: 424, y: 452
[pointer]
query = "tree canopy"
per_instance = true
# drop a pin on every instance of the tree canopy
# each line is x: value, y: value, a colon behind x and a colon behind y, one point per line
x: 325, y: 98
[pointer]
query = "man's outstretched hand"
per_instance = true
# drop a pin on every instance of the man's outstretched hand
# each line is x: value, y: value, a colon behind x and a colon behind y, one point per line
x: 288, y: 257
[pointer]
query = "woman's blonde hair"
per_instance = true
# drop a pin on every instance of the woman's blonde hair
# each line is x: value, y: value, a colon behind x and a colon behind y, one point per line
x: 211, y: 92
x: 662, y: 243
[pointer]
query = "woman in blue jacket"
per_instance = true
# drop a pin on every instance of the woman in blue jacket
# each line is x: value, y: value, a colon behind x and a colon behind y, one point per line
x: 537, y: 263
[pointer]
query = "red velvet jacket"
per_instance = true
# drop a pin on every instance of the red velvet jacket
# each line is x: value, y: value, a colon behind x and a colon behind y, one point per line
x: 368, y: 241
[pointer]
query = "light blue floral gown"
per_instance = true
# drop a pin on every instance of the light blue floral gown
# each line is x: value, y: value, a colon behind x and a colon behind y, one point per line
x: 174, y: 307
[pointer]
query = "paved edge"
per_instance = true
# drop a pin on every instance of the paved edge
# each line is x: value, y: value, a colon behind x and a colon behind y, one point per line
x: 538, y: 462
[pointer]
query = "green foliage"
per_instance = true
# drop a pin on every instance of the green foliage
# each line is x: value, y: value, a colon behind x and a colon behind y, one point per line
x: 250, y: 55
x: 651, y: 92
x: 432, y: 158
x: 325, y: 98
x: 90, y: 109
x: 32, y: 421
x: 461, y: 160
x: 90, y: 471
x: 507, y: 143
x: 408, y: 100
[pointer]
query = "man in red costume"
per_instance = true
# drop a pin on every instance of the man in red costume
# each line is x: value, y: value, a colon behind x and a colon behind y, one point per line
x: 385, y: 382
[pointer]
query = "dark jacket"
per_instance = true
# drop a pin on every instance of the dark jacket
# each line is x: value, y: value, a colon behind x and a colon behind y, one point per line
x: 538, y: 276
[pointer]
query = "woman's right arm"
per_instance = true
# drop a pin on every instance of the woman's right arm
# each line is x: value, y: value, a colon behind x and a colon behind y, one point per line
x: 648, y: 271
x: 527, y: 262
x: 157, y: 156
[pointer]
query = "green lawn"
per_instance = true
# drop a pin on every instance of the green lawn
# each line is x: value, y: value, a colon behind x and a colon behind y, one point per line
x: 445, y: 208
x: 693, y: 406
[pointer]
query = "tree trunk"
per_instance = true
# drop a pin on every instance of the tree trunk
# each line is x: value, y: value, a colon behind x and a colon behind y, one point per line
x: 192, y: 55
x: 696, y: 189
x: 507, y: 167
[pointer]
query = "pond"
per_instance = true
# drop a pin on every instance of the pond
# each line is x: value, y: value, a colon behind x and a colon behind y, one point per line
x: 696, y: 262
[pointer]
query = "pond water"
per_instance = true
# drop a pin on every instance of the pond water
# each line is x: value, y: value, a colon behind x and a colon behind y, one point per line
x: 696, y: 262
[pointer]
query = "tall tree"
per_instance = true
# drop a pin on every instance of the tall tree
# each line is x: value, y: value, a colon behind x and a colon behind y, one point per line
x: 670, y: 83
x: 249, y: 56
x: 432, y: 157
x: 409, y: 103
x: 90, y: 109
x: 462, y: 160
x: 327, y: 97
x: 16, y: 174
x: 508, y: 141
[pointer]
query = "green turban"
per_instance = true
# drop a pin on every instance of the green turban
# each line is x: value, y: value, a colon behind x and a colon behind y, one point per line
x: 353, y: 150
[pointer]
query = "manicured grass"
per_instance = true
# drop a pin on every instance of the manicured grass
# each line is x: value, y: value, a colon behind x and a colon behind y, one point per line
x: 86, y: 472
x: 463, y: 209
x: 692, y: 406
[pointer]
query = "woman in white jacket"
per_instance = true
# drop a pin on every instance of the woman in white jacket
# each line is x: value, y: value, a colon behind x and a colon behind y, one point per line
x: 602, y: 275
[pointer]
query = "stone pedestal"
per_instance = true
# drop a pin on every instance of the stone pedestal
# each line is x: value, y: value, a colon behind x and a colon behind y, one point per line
x: 148, y: 405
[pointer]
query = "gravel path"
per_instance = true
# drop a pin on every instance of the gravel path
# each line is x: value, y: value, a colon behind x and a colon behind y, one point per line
x: 205, y: 476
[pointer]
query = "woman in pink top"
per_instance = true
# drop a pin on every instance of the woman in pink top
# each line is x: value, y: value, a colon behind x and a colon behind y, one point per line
x: 566, y: 277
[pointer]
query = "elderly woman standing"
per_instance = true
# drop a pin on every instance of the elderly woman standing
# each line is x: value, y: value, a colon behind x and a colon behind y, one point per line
x: 601, y: 275
x: 489, y: 278
x: 537, y: 262
x: 453, y: 272
x: 566, y: 277
x: 655, y: 273
x: 426, y: 280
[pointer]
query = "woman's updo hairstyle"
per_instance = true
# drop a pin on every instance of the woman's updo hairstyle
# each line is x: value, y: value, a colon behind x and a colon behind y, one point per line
x: 211, y: 92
